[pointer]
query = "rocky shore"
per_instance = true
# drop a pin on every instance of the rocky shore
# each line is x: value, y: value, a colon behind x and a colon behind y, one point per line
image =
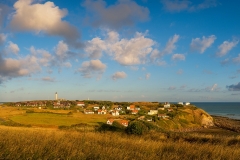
x: 227, y: 123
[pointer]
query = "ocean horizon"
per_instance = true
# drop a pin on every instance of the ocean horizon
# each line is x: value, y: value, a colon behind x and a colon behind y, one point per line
x: 225, y: 109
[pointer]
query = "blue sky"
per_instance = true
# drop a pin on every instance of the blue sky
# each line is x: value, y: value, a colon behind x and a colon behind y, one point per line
x: 120, y: 50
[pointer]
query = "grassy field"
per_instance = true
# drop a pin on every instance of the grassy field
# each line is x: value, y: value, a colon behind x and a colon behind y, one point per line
x: 39, y: 143
x: 39, y: 137
x: 49, y: 118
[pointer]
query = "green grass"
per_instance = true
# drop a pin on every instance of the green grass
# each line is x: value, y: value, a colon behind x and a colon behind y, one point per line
x: 53, y: 119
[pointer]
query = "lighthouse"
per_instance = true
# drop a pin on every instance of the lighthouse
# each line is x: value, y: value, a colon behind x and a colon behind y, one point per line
x: 56, y: 96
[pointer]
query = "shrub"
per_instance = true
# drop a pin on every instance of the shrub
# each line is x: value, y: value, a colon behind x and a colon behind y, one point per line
x: 137, y: 128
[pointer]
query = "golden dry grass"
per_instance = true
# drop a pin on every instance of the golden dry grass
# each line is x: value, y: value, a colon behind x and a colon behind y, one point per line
x: 38, y: 143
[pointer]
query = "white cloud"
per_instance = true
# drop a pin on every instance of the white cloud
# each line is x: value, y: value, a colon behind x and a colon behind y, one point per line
x: 127, y: 52
x: 92, y: 68
x: 61, y: 50
x: 44, y: 57
x: 2, y: 38
x: 12, y: 68
x: 201, y: 45
x: 95, y: 47
x: 225, y: 47
x: 42, y: 18
x: 119, y: 75
x: 147, y: 76
x: 237, y: 59
x: 214, y: 87
x: 12, y: 48
x: 178, y: 57
x: 171, y: 44
x: 123, y: 13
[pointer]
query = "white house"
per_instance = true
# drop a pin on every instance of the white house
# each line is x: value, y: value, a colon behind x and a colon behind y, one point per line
x: 180, y: 103
x: 115, y: 113
x: 95, y: 108
x: 102, y: 111
x: 166, y: 105
x: 152, y: 112
x: 80, y: 104
x: 187, y: 103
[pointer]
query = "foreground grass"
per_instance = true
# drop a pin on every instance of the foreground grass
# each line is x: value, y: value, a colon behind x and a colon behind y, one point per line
x: 39, y: 143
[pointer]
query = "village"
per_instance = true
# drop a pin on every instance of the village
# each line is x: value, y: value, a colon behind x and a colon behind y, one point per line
x: 117, y: 111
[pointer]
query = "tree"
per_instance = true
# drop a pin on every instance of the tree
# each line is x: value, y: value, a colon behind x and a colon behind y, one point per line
x: 136, y: 127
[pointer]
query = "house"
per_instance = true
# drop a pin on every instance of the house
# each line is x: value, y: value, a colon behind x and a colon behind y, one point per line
x: 166, y: 105
x: 131, y: 107
x: 161, y: 108
x: 18, y: 104
x: 163, y: 116
x: 119, y: 108
x: 80, y: 104
x: 115, y: 113
x: 110, y: 121
x: 180, y: 103
x: 102, y: 111
x: 187, y: 103
x: 95, y: 108
x: 170, y: 110
x: 124, y: 122
x: 88, y: 112
x: 134, y: 111
x: 152, y: 112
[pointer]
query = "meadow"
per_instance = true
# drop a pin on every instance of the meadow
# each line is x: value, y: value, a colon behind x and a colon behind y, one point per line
x: 40, y: 143
x: 49, y: 134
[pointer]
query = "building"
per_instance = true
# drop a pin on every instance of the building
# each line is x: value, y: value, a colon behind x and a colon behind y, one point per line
x: 56, y: 96
x: 187, y: 103
x: 80, y: 104
x: 152, y: 112
x: 166, y: 105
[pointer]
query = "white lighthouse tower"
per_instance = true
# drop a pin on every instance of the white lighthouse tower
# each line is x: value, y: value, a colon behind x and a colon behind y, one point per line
x: 56, y: 96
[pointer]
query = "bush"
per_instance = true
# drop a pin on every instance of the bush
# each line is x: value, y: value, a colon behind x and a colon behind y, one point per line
x: 137, y: 128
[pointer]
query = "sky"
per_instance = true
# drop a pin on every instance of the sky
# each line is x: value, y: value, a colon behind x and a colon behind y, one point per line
x: 120, y: 50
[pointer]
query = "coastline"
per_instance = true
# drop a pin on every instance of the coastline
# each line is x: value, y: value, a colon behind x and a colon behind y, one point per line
x: 227, y: 123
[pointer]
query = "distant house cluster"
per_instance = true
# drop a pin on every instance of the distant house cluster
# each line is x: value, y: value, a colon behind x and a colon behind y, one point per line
x: 121, y: 121
x: 31, y: 104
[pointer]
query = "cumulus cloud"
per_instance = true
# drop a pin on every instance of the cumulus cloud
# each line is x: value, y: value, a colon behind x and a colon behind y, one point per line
x: 92, y: 68
x: 127, y: 52
x: 187, y: 5
x: 169, y: 48
x: 201, y: 45
x: 237, y: 59
x: 225, y: 47
x: 95, y: 47
x: 12, y: 68
x: 234, y: 87
x: 147, y: 76
x: 178, y: 57
x: 123, y: 13
x: 119, y: 75
x: 12, y: 48
x: 45, y: 18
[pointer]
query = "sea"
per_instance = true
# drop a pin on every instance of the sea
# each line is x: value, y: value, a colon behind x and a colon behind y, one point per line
x: 225, y: 109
